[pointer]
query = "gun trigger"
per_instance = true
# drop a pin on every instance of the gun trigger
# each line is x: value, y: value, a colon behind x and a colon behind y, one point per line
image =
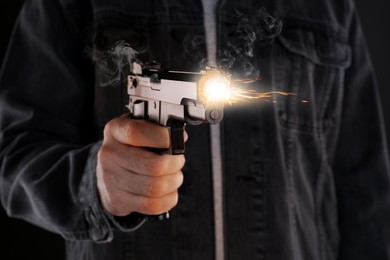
x: 176, y: 135
x: 139, y: 109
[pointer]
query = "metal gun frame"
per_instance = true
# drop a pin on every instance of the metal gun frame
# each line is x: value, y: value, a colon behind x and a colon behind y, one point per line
x: 172, y: 99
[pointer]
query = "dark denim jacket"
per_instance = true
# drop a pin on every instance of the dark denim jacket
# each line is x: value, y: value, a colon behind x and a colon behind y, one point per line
x: 301, y: 180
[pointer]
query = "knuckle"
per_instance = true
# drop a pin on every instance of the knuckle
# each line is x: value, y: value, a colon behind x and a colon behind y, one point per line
x: 180, y: 179
x: 106, y: 153
x: 156, y: 189
x: 152, y: 206
x: 103, y: 154
x: 182, y: 161
x: 158, y: 165
x: 155, y: 206
x: 126, y: 131
x: 131, y: 131
x: 105, y: 177
x: 173, y: 200
x: 166, y: 164
x: 108, y: 128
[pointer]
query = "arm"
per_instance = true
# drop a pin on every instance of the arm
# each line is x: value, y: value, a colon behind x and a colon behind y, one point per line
x: 44, y: 152
x: 52, y: 173
x: 362, y: 172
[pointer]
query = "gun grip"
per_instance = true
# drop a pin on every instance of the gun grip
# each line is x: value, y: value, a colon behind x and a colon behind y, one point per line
x: 176, y: 136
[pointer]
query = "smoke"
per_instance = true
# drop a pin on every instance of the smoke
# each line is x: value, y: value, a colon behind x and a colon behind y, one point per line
x: 269, y: 27
x: 111, y: 64
x: 194, y: 49
x: 236, y: 53
x: 241, y: 35
x: 247, y: 31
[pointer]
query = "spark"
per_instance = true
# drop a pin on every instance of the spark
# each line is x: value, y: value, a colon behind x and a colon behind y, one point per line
x: 237, y: 94
x: 247, y: 81
x: 216, y: 87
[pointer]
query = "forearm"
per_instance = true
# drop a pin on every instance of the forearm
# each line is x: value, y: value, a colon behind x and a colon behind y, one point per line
x: 48, y: 184
x: 48, y: 144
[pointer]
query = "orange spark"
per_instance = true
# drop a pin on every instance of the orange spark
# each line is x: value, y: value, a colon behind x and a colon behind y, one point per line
x: 237, y: 94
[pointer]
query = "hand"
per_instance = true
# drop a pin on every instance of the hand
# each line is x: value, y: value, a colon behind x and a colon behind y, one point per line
x: 131, y: 178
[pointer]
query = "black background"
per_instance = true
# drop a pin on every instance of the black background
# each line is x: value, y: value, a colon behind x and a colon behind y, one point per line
x: 24, y: 241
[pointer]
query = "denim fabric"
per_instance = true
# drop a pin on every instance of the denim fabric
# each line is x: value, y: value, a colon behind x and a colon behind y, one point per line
x: 302, y: 180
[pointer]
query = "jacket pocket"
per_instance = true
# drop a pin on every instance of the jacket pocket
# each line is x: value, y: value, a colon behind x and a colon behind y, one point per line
x: 310, y: 64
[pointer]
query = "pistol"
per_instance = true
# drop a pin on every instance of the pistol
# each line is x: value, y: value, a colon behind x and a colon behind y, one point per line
x: 176, y: 98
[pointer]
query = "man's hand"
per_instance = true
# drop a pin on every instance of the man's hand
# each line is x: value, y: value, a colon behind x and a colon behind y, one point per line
x: 131, y: 178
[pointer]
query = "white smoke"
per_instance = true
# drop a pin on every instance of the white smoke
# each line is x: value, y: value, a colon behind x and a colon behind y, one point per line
x: 110, y: 66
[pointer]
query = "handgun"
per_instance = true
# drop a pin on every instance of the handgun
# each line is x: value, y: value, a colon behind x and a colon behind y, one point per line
x: 175, y: 98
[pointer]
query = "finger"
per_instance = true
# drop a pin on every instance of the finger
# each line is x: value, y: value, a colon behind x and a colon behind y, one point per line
x: 152, y: 187
x: 155, y: 206
x: 145, y: 162
x: 122, y: 204
x: 141, y: 133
